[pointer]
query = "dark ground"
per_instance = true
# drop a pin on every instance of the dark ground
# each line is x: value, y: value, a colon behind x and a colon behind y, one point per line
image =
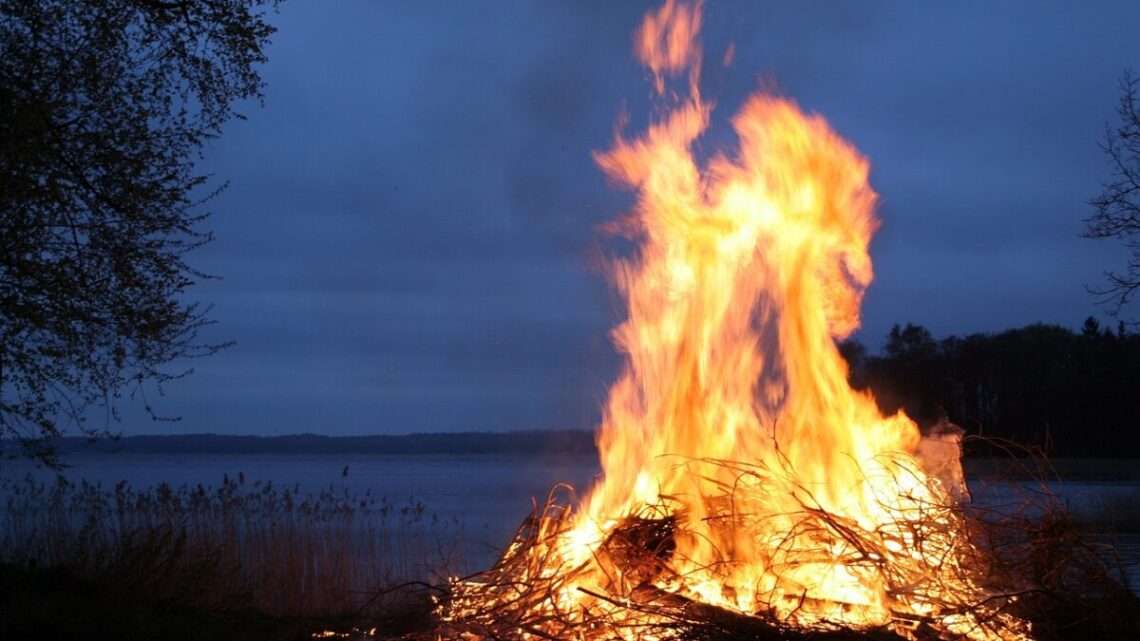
x: 37, y: 603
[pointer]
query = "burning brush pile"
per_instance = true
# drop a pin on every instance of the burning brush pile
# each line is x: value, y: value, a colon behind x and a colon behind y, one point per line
x: 748, y: 491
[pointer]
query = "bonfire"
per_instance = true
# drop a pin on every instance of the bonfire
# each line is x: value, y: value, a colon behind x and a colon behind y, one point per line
x: 747, y: 490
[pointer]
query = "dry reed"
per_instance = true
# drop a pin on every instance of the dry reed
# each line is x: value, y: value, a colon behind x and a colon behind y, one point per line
x: 239, y: 545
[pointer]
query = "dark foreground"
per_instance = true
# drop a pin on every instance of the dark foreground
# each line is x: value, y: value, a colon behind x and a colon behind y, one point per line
x: 54, y: 603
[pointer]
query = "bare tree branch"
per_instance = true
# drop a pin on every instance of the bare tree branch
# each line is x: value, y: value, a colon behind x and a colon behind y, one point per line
x: 1117, y: 208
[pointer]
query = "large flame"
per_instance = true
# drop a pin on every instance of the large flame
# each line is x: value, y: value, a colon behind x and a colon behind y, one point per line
x: 733, y: 416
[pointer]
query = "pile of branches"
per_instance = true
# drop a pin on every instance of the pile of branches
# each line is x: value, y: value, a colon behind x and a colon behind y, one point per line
x: 1027, y: 565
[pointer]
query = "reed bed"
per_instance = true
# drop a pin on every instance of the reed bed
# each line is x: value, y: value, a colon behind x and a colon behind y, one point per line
x: 277, y: 550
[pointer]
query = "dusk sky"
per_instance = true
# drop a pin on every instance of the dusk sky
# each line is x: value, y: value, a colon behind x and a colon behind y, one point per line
x: 409, y: 240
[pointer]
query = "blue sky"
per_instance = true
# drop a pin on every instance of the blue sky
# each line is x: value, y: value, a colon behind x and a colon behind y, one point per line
x: 409, y: 238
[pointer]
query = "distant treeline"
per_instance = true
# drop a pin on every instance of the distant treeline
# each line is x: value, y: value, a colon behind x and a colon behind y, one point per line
x: 1072, y: 393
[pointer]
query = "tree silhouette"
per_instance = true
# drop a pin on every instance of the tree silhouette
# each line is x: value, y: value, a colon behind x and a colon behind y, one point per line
x: 1076, y: 393
x: 104, y: 107
x: 1117, y: 207
x: 1091, y: 327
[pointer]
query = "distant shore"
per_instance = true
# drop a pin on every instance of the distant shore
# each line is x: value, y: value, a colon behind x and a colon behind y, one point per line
x: 529, y: 442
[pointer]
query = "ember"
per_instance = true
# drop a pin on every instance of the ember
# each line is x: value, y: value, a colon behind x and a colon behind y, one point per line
x: 746, y: 485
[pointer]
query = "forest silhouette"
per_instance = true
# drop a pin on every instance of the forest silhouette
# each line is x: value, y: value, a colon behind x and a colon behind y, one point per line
x: 1041, y: 386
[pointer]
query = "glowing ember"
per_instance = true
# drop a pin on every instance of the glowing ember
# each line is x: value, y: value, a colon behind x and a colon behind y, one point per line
x: 742, y: 474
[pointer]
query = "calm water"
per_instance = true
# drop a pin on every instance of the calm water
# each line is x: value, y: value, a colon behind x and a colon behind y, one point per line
x: 488, y: 494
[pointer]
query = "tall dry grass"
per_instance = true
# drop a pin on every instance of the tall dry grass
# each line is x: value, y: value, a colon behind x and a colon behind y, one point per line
x: 238, y: 545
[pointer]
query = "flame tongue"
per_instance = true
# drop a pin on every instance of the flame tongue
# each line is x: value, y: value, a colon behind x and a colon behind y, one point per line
x: 746, y: 274
x: 748, y: 270
x: 741, y: 470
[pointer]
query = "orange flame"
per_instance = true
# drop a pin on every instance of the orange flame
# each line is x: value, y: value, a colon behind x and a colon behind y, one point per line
x: 733, y: 413
x: 667, y: 42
